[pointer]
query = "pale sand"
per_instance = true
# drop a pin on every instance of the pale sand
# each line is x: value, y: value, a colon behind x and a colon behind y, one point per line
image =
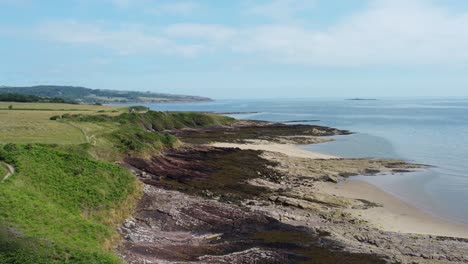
x: 396, y: 215
x: 287, y: 149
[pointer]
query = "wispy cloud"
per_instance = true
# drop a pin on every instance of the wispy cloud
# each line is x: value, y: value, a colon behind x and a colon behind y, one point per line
x: 124, y: 40
x: 201, y: 31
x: 281, y: 9
x: 158, y: 7
x: 388, y: 32
x: 176, y: 7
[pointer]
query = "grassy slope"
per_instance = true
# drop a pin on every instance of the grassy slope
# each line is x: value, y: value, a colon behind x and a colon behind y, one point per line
x: 138, y: 134
x: 68, y: 200
x: 63, y: 204
x: 3, y: 171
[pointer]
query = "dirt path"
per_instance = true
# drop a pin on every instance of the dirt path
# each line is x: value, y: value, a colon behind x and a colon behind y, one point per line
x: 11, y: 171
x: 89, y: 139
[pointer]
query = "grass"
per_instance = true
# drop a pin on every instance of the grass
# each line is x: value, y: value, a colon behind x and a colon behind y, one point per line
x: 67, y: 197
x: 31, y: 126
x: 157, y: 121
x: 64, y: 204
x: 60, y: 107
x: 138, y: 134
x: 3, y: 170
x: 66, y: 201
x: 35, y: 127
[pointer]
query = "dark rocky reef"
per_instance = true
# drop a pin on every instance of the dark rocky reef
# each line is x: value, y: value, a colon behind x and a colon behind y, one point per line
x: 194, y: 210
x: 220, y: 173
x: 176, y: 227
x: 241, y: 131
x: 205, y: 204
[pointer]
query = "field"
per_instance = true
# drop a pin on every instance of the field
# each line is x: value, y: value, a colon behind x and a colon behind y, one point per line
x: 34, y: 125
x: 67, y: 196
x: 63, y: 203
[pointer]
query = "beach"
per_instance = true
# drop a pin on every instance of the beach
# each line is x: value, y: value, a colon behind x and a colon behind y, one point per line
x: 287, y: 149
x: 394, y: 215
x: 248, y: 192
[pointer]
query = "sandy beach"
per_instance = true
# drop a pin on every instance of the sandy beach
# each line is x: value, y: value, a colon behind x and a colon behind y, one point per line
x: 253, y: 183
x: 395, y: 214
x: 287, y: 149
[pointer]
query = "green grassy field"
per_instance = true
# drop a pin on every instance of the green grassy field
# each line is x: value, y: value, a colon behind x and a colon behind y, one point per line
x: 63, y: 203
x: 67, y: 196
x: 34, y: 125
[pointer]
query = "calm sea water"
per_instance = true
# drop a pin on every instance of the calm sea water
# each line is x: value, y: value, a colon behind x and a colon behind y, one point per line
x: 431, y: 131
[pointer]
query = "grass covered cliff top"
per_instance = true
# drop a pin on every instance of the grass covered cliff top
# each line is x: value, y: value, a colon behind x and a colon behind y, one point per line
x: 67, y: 196
x: 61, y: 206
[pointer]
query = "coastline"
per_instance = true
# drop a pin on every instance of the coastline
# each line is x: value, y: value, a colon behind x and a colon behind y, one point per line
x: 395, y: 215
x: 249, y: 181
x: 287, y: 149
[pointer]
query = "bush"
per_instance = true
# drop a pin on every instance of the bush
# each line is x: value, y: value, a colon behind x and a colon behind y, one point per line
x: 135, y: 140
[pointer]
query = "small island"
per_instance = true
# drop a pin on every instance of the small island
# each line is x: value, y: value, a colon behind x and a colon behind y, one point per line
x: 361, y: 99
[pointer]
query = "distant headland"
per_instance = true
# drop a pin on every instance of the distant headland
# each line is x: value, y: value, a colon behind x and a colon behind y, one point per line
x: 101, y: 96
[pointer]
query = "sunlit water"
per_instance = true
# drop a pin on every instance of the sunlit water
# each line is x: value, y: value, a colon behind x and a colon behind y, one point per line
x: 430, y: 131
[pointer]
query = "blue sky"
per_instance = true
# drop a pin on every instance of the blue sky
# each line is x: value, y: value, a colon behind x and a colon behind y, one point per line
x: 239, y: 49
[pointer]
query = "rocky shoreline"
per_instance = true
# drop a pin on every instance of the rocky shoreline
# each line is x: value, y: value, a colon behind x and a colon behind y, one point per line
x: 206, y: 204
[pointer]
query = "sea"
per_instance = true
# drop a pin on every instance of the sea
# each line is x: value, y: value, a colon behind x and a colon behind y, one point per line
x: 432, y: 131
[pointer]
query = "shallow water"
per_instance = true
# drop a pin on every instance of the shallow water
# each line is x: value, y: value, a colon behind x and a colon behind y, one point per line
x: 432, y: 131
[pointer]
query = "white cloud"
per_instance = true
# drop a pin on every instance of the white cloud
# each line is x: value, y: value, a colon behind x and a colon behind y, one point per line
x: 125, y: 40
x: 201, y: 31
x: 388, y: 32
x: 176, y: 7
x: 391, y: 32
x: 281, y: 9
x: 158, y: 7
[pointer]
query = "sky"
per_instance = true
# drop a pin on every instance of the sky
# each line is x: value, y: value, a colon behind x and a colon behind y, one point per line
x: 239, y: 49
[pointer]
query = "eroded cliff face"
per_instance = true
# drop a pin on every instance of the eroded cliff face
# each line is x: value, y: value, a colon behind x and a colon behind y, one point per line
x: 204, y: 204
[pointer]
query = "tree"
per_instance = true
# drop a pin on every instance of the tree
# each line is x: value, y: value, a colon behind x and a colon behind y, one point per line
x: 10, y: 107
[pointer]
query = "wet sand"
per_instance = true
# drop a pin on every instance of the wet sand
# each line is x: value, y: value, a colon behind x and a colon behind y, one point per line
x: 287, y: 149
x: 395, y: 214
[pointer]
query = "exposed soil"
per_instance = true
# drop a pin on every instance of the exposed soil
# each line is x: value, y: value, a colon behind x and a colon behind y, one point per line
x: 10, y: 171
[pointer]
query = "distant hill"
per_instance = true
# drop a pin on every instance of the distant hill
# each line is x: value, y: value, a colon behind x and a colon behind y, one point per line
x: 87, y: 95
x: 26, y: 98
